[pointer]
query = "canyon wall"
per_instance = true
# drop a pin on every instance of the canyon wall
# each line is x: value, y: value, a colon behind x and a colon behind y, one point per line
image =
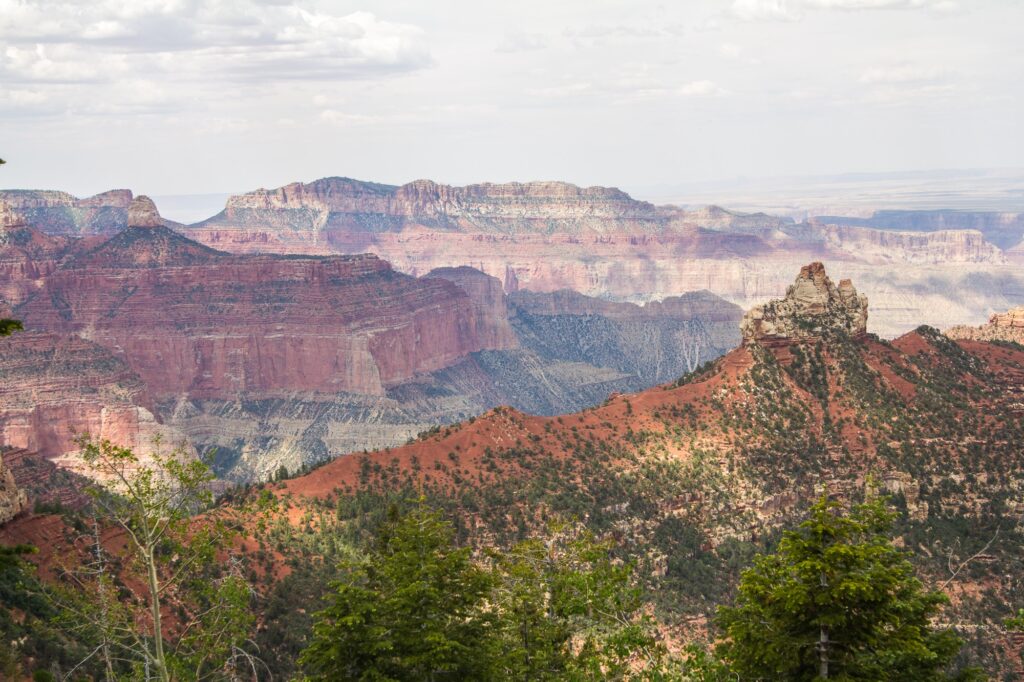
x: 13, y: 500
x: 55, y: 388
x: 189, y: 319
x: 602, y: 243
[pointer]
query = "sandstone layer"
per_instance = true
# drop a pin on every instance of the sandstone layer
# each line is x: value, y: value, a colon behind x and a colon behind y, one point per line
x: 293, y: 359
x: 55, y: 388
x: 189, y: 319
x: 602, y: 243
x: 1008, y: 326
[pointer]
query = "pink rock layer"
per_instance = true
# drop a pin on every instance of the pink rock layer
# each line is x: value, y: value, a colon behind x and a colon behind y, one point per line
x: 191, y: 320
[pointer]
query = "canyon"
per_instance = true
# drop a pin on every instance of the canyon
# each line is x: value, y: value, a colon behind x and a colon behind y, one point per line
x: 335, y: 316
x: 598, y: 241
x: 691, y: 477
x: 286, y: 360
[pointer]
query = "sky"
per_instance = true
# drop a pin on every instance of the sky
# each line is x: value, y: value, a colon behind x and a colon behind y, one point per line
x: 208, y: 96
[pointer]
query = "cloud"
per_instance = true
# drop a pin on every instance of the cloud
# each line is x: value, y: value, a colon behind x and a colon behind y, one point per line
x: 239, y: 40
x: 901, y: 74
x: 703, y: 88
x: 521, y: 41
x: 790, y: 10
x: 754, y: 10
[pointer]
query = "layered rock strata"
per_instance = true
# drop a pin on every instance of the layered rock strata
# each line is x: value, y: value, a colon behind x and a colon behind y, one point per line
x: 55, y: 388
x: 602, y: 243
x: 1008, y: 326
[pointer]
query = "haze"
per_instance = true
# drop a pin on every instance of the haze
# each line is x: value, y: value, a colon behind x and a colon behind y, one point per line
x: 189, y: 97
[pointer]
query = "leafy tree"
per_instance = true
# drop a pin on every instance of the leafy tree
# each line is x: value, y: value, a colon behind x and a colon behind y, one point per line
x: 837, y: 601
x: 169, y: 562
x: 414, y: 609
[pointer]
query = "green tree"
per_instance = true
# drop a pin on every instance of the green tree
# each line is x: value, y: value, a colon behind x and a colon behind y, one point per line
x: 569, y: 611
x: 414, y: 609
x: 169, y: 560
x: 1017, y: 622
x: 837, y: 601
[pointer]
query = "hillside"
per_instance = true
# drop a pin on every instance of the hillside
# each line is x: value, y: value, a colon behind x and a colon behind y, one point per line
x: 693, y: 477
x: 289, y: 359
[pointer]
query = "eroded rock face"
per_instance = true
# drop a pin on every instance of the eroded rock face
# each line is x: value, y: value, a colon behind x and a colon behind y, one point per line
x: 601, y: 242
x: 1008, y: 326
x: 142, y: 213
x: 55, y: 388
x: 812, y: 307
x: 59, y: 213
x: 192, y: 320
x: 12, y: 500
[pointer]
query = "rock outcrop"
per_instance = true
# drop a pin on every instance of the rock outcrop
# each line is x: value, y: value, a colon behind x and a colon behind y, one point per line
x: 489, y: 304
x: 59, y: 213
x: 142, y: 213
x: 12, y: 499
x: 1008, y: 326
x: 813, y: 306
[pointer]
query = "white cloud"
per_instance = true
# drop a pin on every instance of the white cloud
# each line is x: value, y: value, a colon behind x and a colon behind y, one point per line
x: 901, y: 73
x: 789, y: 10
x: 522, y: 41
x: 235, y: 39
x: 754, y: 10
x: 703, y: 88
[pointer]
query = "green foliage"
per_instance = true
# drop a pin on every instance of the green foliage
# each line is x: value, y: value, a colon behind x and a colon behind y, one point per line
x: 837, y: 600
x: 169, y: 561
x: 568, y: 611
x: 1017, y: 622
x: 412, y: 610
x: 8, y: 326
x: 420, y: 608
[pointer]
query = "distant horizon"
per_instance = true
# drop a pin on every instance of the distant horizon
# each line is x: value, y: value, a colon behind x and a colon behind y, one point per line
x: 769, y: 193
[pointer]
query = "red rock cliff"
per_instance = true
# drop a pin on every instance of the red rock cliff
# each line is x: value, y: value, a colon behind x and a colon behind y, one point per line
x: 190, y: 319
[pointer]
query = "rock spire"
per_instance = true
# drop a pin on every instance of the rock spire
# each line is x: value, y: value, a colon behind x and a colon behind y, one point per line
x: 812, y: 307
x: 142, y: 213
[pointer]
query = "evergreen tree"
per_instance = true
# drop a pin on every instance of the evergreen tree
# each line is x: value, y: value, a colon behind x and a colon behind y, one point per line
x: 569, y: 611
x: 414, y: 609
x: 837, y: 601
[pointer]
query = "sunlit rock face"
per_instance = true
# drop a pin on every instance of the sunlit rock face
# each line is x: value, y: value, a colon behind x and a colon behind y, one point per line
x: 1008, y: 326
x: 12, y: 500
x: 812, y: 307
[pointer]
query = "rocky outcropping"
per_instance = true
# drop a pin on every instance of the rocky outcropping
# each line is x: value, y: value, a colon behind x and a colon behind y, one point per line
x: 142, y: 213
x: 59, y: 213
x: 12, y: 499
x: 1008, y: 326
x: 813, y: 307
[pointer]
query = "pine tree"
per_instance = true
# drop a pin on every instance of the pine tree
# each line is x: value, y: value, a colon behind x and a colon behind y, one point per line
x: 415, y: 609
x: 837, y: 600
